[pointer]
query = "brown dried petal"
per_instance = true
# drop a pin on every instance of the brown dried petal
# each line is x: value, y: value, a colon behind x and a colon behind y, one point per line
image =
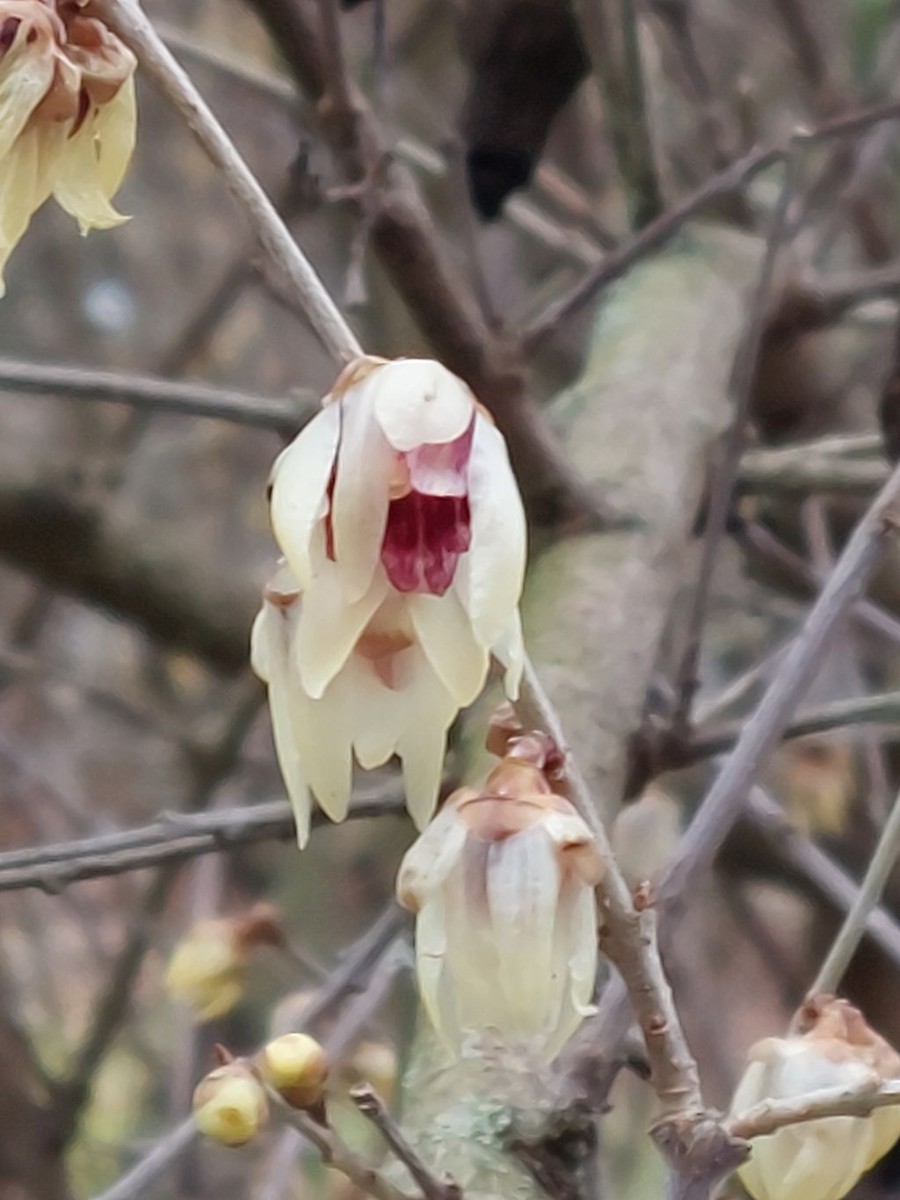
x: 104, y: 61
x: 841, y: 1032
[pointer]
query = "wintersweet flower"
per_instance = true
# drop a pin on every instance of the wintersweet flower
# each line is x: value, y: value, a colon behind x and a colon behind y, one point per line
x: 502, y: 882
x: 824, y: 1158
x: 67, y: 116
x: 403, y: 537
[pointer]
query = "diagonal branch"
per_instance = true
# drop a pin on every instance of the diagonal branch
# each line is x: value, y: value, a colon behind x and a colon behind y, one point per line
x: 126, y: 18
x: 851, y: 932
x: 724, y: 801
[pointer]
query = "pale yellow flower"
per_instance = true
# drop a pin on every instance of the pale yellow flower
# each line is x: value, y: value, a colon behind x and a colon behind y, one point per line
x: 502, y: 882
x: 403, y: 537
x: 822, y: 1159
x: 67, y: 116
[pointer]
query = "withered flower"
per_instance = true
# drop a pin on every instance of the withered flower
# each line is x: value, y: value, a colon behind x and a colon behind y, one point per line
x: 503, y: 884
x: 833, y: 1046
x: 67, y: 116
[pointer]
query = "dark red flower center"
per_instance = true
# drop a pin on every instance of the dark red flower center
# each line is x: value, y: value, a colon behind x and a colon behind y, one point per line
x: 423, y: 539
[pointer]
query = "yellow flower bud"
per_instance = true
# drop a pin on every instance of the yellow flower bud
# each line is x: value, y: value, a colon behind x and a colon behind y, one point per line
x: 230, y: 1104
x: 206, y: 971
x: 297, y: 1067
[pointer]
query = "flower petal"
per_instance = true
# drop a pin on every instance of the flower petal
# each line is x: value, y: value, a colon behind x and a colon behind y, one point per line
x: 329, y: 627
x: 23, y: 189
x: 93, y: 162
x: 422, y: 745
x: 491, y: 574
x: 361, y: 489
x: 324, y: 741
x: 270, y: 642
x: 418, y: 401
x: 430, y: 859
x: 26, y: 73
x: 523, y: 882
x: 444, y: 633
x: 300, y: 480
x: 509, y: 650
x: 431, y: 949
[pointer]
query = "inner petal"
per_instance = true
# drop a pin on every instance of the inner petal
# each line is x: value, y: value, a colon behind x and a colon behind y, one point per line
x: 423, y: 539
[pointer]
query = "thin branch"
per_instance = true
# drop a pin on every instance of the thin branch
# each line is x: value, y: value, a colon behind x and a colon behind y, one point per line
x: 113, y: 1005
x: 764, y: 728
x: 626, y: 939
x: 771, y: 1115
x: 375, y: 1110
x: 851, y: 932
x: 756, y: 539
x: 838, y: 714
x: 126, y: 18
x: 772, y: 472
x: 359, y: 1012
x: 659, y: 231
x: 721, y: 496
x: 175, y: 837
x: 829, y: 880
x: 337, y: 1154
x: 610, y: 33
x: 446, y: 311
x: 724, y: 802
x: 361, y: 959
x: 133, y: 1184
x: 157, y: 394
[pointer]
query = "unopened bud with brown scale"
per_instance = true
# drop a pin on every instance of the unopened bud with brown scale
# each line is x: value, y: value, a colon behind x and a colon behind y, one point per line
x: 296, y: 1066
x: 208, y: 969
x: 830, y: 1045
x: 502, y: 882
x: 230, y: 1104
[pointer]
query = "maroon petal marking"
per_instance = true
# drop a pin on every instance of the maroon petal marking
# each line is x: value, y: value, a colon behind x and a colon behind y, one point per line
x: 423, y: 539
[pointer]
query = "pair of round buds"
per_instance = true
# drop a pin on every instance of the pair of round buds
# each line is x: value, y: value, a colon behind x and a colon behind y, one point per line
x: 231, y: 1104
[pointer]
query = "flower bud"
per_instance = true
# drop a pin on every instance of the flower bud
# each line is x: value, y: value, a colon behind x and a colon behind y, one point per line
x: 503, y: 884
x: 821, y: 1159
x: 297, y: 1067
x: 207, y: 971
x: 230, y: 1104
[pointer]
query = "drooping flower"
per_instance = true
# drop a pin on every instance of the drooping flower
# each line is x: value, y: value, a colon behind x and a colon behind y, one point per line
x: 502, y: 882
x: 403, y: 537
x: 67, y: 116
x: 824, y: 1158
